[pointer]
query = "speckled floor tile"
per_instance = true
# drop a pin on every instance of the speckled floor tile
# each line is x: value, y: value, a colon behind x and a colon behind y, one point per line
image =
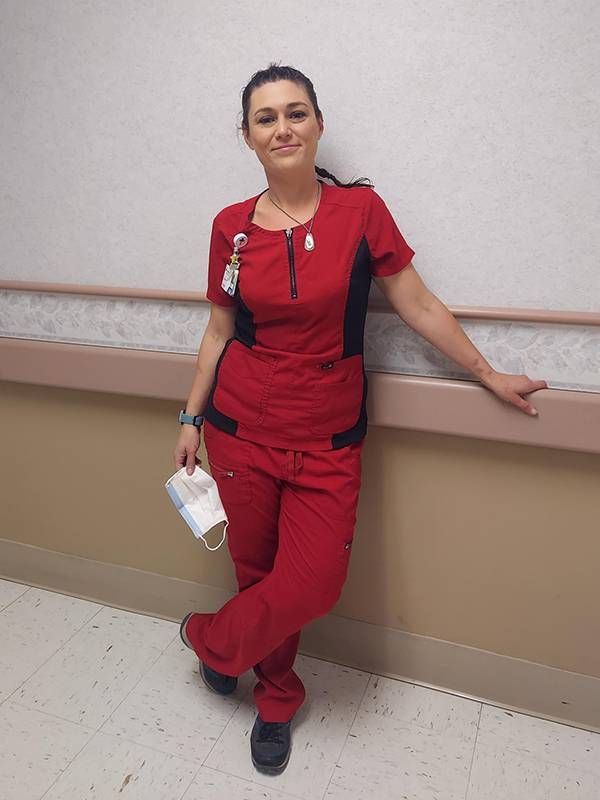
x: 172, y: 710
x: 9, y: 591
x: 109, y: 768
x: 318, y: 731
x: 437, y: 711
x: 386, y: 758
x: 540, y: 738
x: 405, y: 743
x: 34, y: 627
x: 499, y: 774
x: 86, y: 680
x: 212, y: 785
x: 35, y: 749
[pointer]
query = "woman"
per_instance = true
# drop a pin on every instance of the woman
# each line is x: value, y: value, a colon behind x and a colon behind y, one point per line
x: 281, y: 388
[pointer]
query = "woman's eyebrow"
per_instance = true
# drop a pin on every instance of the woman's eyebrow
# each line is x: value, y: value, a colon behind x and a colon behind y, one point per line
x: 289, y: 105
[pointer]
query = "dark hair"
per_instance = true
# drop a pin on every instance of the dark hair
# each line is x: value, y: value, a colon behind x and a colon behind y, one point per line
x: 275, y: 72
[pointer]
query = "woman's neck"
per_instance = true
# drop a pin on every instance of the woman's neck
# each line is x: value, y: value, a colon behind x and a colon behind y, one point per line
x: 293, y: 191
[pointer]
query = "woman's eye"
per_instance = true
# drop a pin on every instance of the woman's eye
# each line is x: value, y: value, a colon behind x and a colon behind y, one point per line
x: 294, y: 115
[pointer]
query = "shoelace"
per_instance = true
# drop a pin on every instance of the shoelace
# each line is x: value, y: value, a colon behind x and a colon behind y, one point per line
x: 271, y: 732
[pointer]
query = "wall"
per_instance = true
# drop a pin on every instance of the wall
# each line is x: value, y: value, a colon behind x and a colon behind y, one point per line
x: 119, y: 145
x: 487, y: 544
x: 476, y: 123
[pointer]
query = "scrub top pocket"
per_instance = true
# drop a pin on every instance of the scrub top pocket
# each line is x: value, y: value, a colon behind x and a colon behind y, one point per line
x: 338, y: 397
x: 244, y: 384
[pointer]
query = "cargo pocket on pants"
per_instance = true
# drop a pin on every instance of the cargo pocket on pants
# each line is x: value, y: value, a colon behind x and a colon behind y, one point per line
x: 228, y: 459
x: 234, y: 485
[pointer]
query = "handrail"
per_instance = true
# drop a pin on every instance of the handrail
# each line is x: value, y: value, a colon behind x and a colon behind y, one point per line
x: 174, y: 295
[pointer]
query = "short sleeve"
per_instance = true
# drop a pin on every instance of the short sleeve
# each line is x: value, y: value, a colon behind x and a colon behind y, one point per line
x: 218, y: 256
x: 389, y: 251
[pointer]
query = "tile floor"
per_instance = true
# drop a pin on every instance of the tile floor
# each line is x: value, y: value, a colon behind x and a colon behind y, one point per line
x: 98, y: 703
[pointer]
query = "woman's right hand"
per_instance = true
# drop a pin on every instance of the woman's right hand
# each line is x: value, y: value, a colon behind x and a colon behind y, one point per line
x: 186, y: 449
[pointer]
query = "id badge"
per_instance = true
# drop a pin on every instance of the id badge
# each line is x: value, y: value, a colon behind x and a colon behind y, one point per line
x: 233, y: 282
x: 227, y: 277
x: 232, y: 269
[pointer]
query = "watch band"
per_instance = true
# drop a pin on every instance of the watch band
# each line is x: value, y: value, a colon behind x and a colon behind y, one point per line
x: 190, y: 419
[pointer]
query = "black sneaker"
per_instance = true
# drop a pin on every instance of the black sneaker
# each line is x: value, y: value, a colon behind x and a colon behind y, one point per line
x: 215, y: 681
x: 270, y: 745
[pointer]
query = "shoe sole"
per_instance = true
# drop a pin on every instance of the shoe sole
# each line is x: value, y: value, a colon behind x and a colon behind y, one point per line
x: 272, y: 770
x: 184, y: 639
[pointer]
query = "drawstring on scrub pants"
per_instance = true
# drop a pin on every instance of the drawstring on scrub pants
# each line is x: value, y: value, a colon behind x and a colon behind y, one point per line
x: 294, y: 463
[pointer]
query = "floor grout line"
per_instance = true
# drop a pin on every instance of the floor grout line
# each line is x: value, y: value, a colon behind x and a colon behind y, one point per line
x: 473, y: 753
x: 134, y: 687
x: 8, y: 605
x: 245, y: 695
x: 191, y: 783
x: 260, y: 786
x: 95, y: 730
x: 337, y: 758
x: 89, y: 728
x: 43, y: 664
x: 67, y: 766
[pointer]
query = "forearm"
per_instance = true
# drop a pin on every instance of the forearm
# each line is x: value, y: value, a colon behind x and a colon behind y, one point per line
x: 436, y: 324
x: 210, y: 349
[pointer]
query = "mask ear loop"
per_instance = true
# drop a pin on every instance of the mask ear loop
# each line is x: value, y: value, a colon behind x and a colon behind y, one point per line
x: 208, y: 547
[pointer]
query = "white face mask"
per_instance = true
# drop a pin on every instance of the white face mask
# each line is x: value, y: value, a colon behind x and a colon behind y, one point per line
x: 196, y: 497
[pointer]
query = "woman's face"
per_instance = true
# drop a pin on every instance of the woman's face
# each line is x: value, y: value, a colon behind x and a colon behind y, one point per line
x: 283, y: 130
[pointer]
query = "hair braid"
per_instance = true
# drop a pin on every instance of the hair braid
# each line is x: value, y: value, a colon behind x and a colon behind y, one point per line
x: 358, y: 182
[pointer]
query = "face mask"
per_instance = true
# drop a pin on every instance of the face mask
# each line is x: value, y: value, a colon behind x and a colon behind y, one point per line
x: 196, y: 497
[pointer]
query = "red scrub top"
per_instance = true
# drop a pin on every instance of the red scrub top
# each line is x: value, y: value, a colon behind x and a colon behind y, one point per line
x: 292, y: 376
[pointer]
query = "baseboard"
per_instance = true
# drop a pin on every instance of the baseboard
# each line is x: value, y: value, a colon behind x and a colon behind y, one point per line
x: 512, y: 683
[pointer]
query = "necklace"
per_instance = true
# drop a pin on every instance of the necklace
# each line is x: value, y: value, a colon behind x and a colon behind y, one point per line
x: 309, y: 239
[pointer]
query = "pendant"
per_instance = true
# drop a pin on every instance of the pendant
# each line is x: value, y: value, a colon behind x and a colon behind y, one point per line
x: 309, y: 242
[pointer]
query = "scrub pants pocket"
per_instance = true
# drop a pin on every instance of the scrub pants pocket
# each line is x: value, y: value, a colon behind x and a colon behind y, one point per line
x: 229, y: 461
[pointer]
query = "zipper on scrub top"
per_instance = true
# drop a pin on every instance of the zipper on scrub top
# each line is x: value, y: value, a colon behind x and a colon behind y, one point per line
x: 290, y: 247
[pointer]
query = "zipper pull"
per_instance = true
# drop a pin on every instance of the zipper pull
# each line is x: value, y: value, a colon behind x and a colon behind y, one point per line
x: 288, y: 233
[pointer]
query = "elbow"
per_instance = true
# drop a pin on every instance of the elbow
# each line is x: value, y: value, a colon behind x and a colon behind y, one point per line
x: 416, y: 308
x: 221, y: 325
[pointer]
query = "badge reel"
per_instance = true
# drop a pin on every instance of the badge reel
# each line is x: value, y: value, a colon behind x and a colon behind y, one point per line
x: 232, y: 269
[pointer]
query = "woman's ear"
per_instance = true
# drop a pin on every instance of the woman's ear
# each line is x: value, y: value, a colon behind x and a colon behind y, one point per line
x: 246, y: 138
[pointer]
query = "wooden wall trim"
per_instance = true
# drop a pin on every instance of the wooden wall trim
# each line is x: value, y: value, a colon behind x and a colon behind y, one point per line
x: 567, y: 420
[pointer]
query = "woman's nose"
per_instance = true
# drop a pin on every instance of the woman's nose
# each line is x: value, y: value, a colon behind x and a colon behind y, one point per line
x: 283, y: 127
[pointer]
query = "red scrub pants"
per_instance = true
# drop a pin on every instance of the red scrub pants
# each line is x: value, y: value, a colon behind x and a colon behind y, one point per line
x: 291, y: 522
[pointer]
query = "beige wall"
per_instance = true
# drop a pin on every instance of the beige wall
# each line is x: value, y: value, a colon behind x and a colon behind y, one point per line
x: 481, y: 543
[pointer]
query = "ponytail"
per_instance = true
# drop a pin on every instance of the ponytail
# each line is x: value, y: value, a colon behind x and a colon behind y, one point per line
x: 358, y: 182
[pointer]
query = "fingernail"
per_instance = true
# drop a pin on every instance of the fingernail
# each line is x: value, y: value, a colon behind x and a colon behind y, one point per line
x: 534, y: 412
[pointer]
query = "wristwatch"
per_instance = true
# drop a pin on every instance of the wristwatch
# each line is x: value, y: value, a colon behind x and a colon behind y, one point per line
x: 190, y: 419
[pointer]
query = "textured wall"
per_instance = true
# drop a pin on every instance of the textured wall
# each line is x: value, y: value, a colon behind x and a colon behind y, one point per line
x: 567, y: 357
x: 478, y: 123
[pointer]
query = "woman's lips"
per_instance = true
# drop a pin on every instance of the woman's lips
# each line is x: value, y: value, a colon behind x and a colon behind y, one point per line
x: 286, y: 148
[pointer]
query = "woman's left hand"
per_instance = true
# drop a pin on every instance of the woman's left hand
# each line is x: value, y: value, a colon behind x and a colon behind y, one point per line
x: 510, y: 388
